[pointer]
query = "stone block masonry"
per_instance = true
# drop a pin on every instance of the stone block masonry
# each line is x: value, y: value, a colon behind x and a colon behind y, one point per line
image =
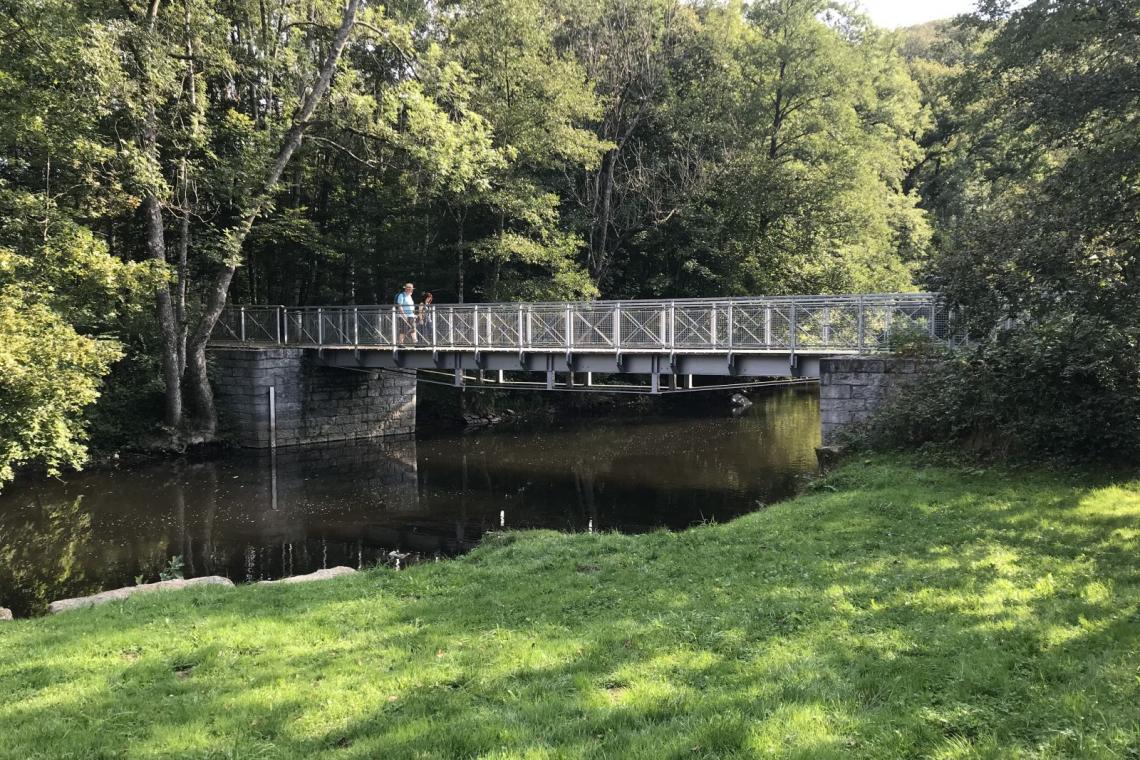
x: 312, y: 403
x: 852, y: 388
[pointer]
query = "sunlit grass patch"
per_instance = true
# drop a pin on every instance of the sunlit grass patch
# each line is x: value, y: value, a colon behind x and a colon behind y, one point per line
x: 894, y: 611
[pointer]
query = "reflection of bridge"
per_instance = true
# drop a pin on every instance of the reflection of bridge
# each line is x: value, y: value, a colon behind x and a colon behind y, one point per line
x: 761, y: 336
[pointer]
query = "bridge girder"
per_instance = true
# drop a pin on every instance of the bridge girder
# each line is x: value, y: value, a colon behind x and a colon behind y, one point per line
x: 711, y: 363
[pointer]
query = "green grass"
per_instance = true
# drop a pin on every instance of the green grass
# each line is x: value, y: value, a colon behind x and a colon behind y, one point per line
x: 895, y: 611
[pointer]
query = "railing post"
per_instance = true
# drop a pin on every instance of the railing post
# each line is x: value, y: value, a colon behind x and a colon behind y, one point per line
x: 522, y: 340
x: 451, y: 326
x: 890, y: 324
x: 241, y: 311
x: 862, y: 322
x: 792, y: 330
x: 280, y: 317
x: 355, y: 326
x: 933, y: 332
x: 728, y: 326
x: 712, y: 326
x: 569, y: 328
x: 768, y: 326
x: 617, y: 327
x: 285, y: 326
x: 826, y: 325
x: 395, y: 327
x: 476, y: 330
x: 320, y: 327
x: 490, y: 327
x: 529, y: 327
x: 672, y: 324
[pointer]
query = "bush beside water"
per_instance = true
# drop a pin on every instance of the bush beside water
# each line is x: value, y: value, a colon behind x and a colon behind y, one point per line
x: 1061, y: 389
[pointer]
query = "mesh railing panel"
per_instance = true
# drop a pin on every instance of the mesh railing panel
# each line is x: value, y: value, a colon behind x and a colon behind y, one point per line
x: 816, y: 323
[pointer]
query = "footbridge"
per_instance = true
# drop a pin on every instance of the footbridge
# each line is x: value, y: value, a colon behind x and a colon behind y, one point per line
x: 662, y: 339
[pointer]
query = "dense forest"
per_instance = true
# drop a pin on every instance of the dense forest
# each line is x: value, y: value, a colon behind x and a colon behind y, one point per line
x: 160, y: 158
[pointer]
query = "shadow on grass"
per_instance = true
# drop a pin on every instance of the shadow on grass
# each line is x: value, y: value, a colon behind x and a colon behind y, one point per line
x: 911, y: 612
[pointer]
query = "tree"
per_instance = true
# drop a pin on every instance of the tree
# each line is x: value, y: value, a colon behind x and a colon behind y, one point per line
x: 538, y: 103
x: 1041, y: 233
x: 61, y: 289
x: 221, y: 97
x: 763, y: 150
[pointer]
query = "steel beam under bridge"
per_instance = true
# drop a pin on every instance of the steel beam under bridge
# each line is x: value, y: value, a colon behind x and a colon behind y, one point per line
x: 751, y: 364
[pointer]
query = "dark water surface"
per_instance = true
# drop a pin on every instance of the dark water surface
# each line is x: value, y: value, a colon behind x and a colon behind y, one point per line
x: 252, y: 516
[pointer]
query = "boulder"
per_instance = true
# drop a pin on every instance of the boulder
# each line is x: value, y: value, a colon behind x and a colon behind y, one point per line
x: 319, y: 575
x: 63, y: 605
x: 5, y: 613
x: 740, y: 400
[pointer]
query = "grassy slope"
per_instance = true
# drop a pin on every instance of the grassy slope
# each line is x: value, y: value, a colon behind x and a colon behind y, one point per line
x: 896, y: 611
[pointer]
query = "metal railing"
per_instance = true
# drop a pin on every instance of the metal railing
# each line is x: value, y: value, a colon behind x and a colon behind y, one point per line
x: 762, y: 324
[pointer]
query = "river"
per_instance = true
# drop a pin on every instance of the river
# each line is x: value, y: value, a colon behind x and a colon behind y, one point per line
x: 252, y: 515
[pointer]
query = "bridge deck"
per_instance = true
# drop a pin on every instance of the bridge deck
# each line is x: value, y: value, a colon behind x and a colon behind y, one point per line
x: 771, y: 336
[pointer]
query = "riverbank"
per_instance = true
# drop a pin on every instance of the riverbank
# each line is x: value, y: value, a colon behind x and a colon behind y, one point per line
x: 894, y: 611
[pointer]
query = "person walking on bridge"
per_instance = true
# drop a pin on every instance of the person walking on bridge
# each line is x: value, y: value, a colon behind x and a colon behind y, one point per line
x: 407, y: 311
x: 426, y: 318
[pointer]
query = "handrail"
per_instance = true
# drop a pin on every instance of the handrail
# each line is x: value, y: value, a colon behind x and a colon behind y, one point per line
x: 792, y: 324
x: 842, y: 298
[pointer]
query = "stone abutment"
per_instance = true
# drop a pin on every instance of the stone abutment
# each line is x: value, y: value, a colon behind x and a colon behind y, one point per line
x: 286, y: 397
x: 851, y: 388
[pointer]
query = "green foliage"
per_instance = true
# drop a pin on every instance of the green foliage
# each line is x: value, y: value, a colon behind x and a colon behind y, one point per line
x: 1040, y: 223
x: 772, y: 160
x: 62, y: 291
x: 57, y: 286
x: 1058, y: 389
x: 173, y: 570
x: 673, y: 107
x: 898, y: 612
x: 41, y: 550
x: 912, y: 339
x: 49, y: 374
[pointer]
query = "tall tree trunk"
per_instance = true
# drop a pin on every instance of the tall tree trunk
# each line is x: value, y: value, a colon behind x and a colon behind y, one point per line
x: 601, y: 235
x: 778, y: 112
x: 183, y: 274
x: 184, y: 182
x: 200, y: 395
x: 460, y: 269
x: 155, y: 228
x: 167, y: 322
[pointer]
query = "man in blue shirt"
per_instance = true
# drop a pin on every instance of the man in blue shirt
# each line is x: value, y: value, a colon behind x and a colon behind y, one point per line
x: 407, y: 311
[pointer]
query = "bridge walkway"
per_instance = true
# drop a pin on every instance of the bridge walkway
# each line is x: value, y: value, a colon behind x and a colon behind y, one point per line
x: 733, y: 337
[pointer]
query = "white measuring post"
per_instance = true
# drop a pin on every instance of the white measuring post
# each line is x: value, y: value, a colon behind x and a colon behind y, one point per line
x: 272, y: 417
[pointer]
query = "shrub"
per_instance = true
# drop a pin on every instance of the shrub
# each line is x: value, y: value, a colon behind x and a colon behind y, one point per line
x: 1061, y: 388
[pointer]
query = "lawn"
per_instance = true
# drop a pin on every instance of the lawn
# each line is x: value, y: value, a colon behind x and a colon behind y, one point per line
x: 893, y: 611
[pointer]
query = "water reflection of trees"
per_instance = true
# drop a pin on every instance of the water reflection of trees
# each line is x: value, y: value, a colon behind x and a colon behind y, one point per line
x: 40, y: 551
x: 253, y: 516
x: 248, y: 517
